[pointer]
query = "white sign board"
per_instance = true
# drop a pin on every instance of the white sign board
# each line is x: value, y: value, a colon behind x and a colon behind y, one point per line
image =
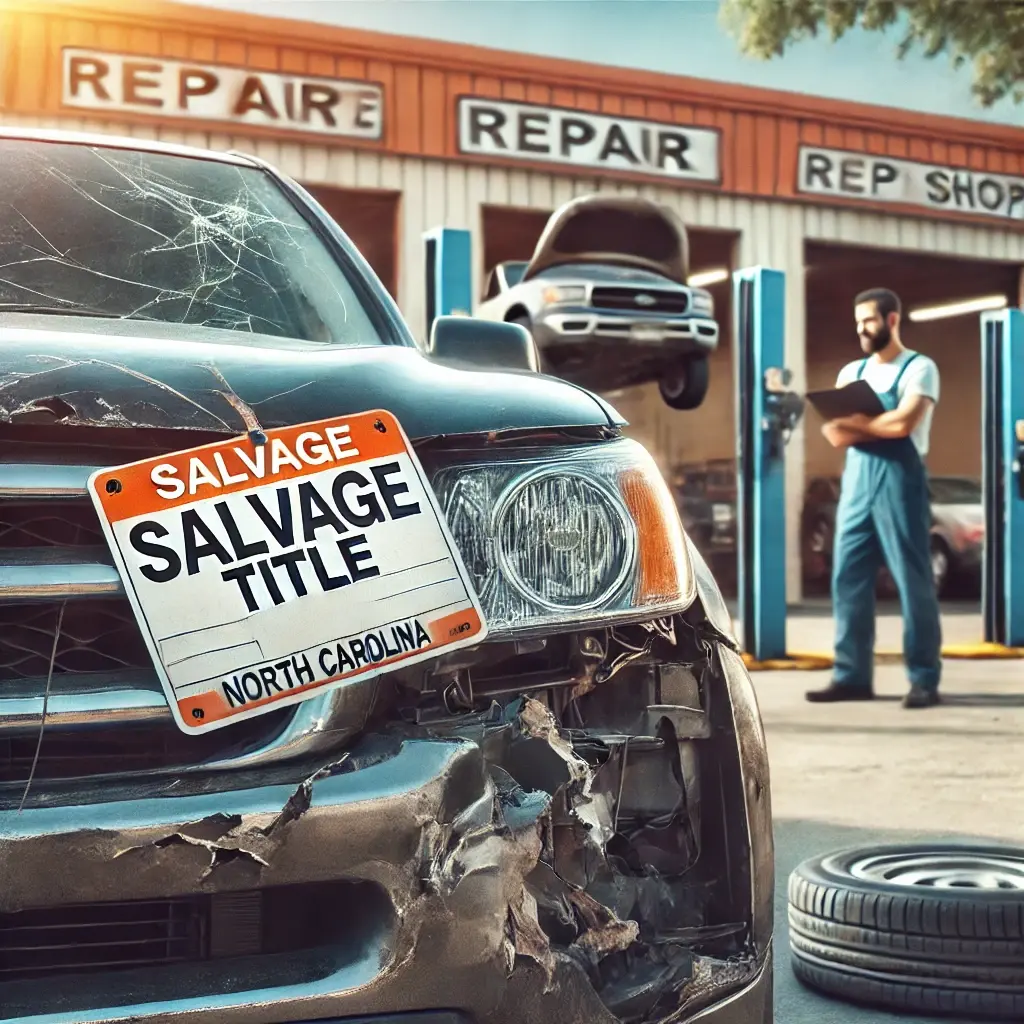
x: 262, y: 575
x: 121, y: 83
x: 523, y: 131
x: 884, y: 179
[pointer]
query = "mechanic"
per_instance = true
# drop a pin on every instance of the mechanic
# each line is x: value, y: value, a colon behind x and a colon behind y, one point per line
x: 884, y: 509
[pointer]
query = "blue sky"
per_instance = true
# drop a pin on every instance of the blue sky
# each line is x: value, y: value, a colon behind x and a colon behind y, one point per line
x: 676, y: 36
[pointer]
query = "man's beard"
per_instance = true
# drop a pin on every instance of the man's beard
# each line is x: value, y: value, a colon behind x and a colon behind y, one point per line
x: 876, y: 342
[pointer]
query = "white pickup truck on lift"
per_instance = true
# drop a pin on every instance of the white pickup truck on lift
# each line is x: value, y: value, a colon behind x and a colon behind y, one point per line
x: 606, y: 298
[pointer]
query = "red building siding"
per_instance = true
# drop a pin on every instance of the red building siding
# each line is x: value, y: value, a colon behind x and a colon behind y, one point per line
x: 760, y: 130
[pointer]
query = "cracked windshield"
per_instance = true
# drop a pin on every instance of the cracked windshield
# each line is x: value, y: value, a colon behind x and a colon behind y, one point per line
x: 511, y: 512
x: 95, y: 231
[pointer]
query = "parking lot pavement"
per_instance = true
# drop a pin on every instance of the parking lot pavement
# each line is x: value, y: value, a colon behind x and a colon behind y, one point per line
x: 857, y: 773
x: 810, y: 627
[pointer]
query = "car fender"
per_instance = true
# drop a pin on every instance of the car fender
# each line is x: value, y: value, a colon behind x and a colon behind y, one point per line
x: 492, y: 309
x: 526, y: 297
x: 940, y: 531
x: 517, y: 310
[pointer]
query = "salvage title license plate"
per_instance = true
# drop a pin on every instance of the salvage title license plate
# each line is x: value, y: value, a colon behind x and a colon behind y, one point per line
x: 262, y: 575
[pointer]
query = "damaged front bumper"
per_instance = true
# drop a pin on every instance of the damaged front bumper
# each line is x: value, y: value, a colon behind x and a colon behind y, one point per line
x: 521, y: 866
x: 430, y: 876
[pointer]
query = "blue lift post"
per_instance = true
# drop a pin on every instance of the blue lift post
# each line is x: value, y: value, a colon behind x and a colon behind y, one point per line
x: 765, y: 414
x: 449, y: 266
x: 1002, y: 412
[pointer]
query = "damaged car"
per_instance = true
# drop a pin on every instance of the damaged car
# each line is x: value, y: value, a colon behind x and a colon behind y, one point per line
x: 556, y: 807
x: 606, y: 297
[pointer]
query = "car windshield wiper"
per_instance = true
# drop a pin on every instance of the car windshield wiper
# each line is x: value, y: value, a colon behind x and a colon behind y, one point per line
x: 27, y: 307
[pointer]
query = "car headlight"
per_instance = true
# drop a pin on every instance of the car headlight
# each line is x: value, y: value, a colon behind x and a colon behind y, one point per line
x: 568, y: 537
x: 702, y: 302
x: 554, y: 294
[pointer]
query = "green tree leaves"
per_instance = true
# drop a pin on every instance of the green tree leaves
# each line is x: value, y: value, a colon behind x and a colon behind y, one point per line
x: 987, y: 33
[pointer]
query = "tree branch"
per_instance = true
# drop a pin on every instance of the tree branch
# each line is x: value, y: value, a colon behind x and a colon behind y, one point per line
x: 988, y: 33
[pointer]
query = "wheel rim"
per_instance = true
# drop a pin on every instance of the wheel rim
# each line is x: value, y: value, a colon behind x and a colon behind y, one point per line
x: 989, y: 871
x: 674, y: 384
x: 938, y: 564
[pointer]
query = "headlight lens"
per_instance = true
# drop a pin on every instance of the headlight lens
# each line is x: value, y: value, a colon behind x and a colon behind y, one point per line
x: 583, y: 540
x: 702, y: 302
x: 568, y: 537
x: 564, y: 293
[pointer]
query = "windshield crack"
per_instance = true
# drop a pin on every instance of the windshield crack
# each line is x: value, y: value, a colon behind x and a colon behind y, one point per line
x: 145, y: 236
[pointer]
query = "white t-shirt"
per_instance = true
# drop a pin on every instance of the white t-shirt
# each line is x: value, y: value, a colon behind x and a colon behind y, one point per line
x: 921, y: 378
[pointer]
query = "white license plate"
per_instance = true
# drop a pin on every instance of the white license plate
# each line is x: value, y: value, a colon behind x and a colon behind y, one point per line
x: 721, y: 513
x: 264, y: 575
x: 647, y: 333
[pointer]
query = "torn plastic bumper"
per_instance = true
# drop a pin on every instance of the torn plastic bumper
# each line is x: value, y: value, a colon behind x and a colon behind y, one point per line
x: 603, y: 857
x: 418, y: 826
x: 451, y: 877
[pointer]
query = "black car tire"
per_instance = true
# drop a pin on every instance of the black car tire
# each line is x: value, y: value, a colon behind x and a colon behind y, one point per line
x: 940, y: 556
x: 937, y: 928
x: 686, y: 386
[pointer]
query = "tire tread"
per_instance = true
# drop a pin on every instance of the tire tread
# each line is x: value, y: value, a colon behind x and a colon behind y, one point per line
x: 909, y: 995
x: 934, y: 951
x: 937, y: 916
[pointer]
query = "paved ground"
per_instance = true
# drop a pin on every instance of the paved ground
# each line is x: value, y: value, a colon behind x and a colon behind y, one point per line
x: 847, y: 774
x: 809, y: 628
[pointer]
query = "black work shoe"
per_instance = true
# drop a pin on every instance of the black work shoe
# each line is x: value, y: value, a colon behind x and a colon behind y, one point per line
x: 920, y: 697
x: 834, y: 692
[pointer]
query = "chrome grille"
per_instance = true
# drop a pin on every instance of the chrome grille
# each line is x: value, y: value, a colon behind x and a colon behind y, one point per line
x: 105, y: 711
x: 625, y: 299
x: 70, y: 524
x: 78, y: 754
x: 95, y: 636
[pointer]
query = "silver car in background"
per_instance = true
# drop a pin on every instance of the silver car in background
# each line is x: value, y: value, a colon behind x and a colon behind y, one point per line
x: 606, y: 299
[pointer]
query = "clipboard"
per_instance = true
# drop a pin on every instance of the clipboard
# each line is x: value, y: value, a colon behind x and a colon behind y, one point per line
x: 856, y: 397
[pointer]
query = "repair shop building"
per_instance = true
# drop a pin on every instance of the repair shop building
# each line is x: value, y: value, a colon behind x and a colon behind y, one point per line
x: 397, y: 135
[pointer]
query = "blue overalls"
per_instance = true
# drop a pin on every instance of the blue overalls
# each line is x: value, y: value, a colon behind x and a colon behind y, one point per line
x: 884, y: 511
